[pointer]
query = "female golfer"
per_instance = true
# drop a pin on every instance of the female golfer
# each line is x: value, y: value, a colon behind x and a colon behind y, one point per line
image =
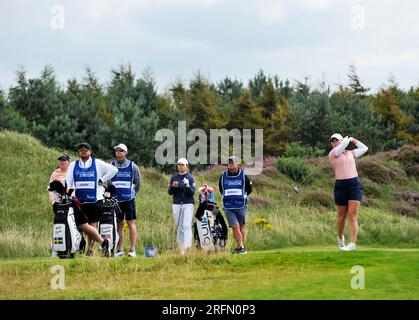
x: 182, y: 187
x: 348, y: 187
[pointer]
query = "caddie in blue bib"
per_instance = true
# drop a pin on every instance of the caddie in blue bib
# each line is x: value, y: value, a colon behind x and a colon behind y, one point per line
x: 123, y: 183
x: 233, y: 190
x: 85, y: 180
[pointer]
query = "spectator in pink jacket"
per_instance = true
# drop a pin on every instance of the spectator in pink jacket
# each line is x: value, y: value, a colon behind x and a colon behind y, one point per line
x: 59, y: 175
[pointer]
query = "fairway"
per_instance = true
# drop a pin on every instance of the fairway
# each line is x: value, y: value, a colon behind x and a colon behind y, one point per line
x: 291, y: 273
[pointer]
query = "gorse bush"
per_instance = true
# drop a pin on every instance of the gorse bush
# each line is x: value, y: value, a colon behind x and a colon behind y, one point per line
x: 294, y: 168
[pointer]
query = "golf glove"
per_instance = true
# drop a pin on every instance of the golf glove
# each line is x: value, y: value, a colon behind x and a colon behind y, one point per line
x: 186, y: 182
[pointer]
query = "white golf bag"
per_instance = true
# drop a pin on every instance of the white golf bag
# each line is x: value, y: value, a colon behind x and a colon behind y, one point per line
x: 67, y: 239
x: 210, y: 229
x: 108, y: 223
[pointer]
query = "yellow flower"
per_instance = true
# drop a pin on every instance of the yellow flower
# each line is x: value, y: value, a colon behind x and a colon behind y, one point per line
x: 261, y: 221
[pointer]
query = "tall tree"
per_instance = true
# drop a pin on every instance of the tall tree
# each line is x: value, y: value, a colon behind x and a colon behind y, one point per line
x: 256, y: 84
x: 201, y: 103
x: 387, y: 103
x: 410, y: 106
x: 354, y: 117
x: 355, y: 83
x: 311, y: 118
x: 38, y: 99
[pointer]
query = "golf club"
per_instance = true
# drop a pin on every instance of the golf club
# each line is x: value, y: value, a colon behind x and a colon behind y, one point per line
x: 297, y: 188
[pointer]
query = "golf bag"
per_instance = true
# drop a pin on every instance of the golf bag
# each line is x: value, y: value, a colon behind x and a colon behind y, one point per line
x: 210, y: 229
x: 107, y: 222
x: 67, y: 239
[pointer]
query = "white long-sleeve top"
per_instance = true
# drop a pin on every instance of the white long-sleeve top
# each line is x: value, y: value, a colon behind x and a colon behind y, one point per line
x: 361, y: 148
x: 105, y: 171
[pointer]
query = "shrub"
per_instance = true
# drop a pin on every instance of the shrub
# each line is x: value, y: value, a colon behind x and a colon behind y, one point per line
x: 408, y: 155
x: 317, y: 198
x: 413, y: 170
x: 405, y: 209
x: 296, y: 150
x: 262, y: 181
x: 269, y: 168
x: 371, y: 188
x: 378, y: 172
x: 369, y: 202
x: 294, y: 168
x: 257, y: 201
x: 411, y: 197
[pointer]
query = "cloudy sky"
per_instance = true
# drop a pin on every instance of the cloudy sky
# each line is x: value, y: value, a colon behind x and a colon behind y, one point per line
x: 317, y: 39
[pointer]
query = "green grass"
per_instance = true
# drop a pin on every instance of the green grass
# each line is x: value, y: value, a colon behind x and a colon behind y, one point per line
x: 292, y: 273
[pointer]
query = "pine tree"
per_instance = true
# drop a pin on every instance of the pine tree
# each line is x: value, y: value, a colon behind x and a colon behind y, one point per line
x: 229, y: 90
x: 256, y: 84
x: 245, y: 113
x: 352, y: 116
x: 355, y: 83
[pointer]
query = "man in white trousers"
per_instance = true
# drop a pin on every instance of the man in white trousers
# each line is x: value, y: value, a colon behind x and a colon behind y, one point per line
x: 182, y: 188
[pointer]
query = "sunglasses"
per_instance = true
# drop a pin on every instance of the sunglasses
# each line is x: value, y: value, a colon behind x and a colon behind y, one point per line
x: 84, y: 150
x: 119, y: 150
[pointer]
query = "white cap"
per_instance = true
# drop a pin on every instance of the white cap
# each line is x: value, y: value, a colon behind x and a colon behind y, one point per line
x: 121, y: 146
x: 182, y: 161
x: 233, y: 159
x: 336, y: 136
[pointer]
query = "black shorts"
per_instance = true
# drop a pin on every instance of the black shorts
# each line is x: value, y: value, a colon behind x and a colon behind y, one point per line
x: 347, y: 189
x: 127, y: 210
x: 92, y: 211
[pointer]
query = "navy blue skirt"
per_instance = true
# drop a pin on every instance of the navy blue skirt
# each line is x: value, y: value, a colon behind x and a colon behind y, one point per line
x: 347, y: 189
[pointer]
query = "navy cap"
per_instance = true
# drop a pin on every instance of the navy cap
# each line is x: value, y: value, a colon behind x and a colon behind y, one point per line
x: 86, y: 145
x: 64, y: 157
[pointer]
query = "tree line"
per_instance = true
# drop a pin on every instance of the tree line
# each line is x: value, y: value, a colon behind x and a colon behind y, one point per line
x: 129, y: 109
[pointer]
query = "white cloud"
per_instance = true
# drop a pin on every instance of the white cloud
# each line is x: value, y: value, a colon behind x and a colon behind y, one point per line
x: 176, y: 44
x: 316, y: 4
x: 270, y: 11
x: 96, y: 9
x: 388, y: 61
x: 274, y: 11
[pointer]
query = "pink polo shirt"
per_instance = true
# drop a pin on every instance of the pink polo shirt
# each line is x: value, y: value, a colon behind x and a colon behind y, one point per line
x: 60, y: 176
x: 344, y: 164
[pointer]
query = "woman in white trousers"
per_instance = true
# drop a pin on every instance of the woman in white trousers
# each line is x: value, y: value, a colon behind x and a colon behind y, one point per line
x: 182, y: 188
